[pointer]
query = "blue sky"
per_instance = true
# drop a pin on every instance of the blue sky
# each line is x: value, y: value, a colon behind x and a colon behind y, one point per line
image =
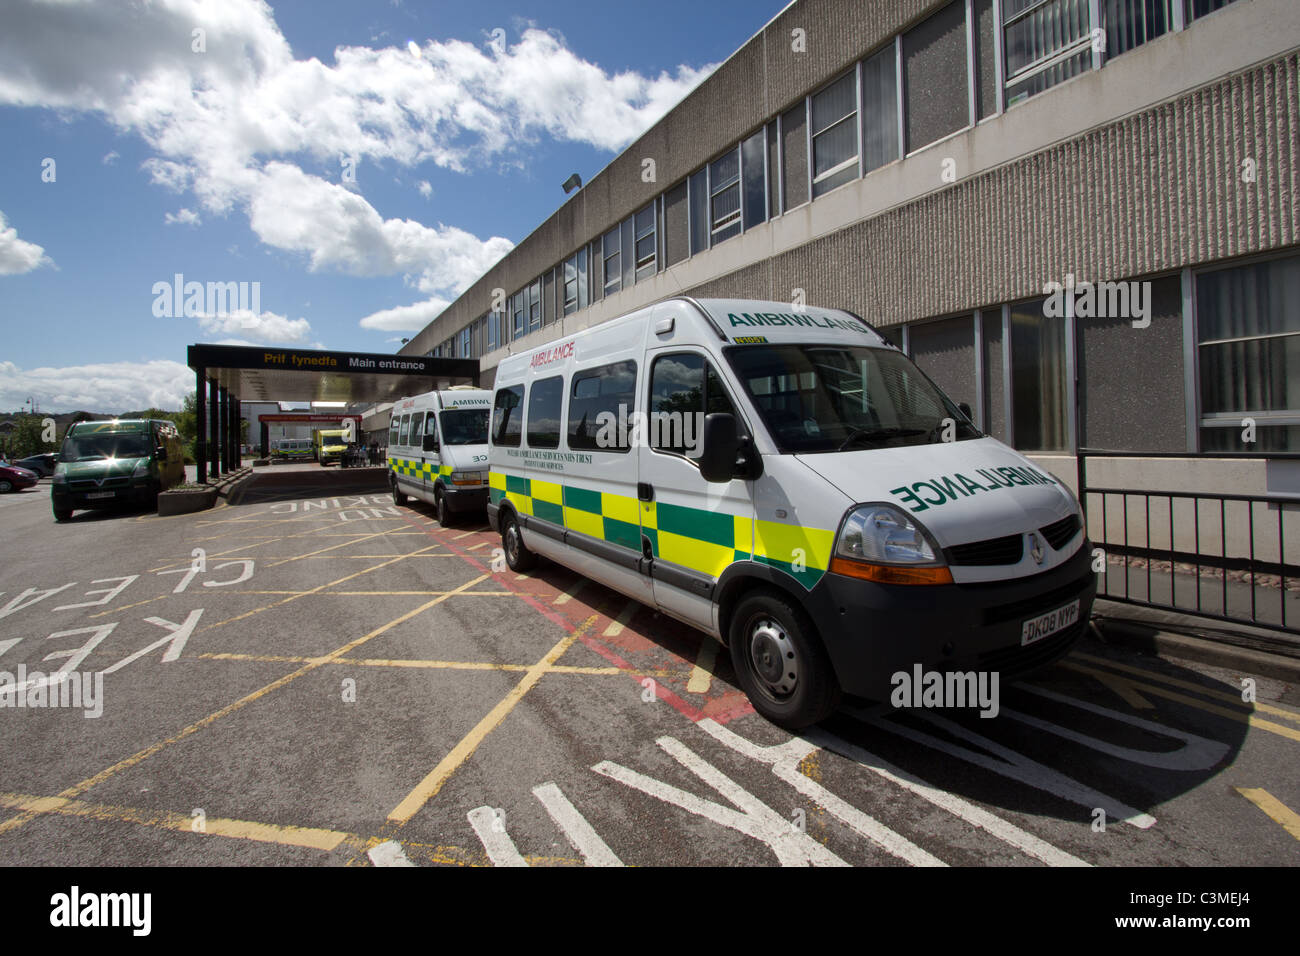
x: 223, y: 155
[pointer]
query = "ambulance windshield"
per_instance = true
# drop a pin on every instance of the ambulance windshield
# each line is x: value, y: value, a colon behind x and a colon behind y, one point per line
x: 826, y: 398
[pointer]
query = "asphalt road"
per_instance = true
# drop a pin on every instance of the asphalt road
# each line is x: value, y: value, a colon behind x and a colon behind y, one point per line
x: 311, y: 675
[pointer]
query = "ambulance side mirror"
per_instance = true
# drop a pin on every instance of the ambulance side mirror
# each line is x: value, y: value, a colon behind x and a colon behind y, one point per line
x: 964, y: 408
x: 721, y: 445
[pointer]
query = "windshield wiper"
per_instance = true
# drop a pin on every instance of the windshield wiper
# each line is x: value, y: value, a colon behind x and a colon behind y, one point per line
x: 879, y: 434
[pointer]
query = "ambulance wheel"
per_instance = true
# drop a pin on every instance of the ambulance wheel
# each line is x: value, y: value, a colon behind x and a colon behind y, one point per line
x: 399, y: 497
x: 444, y: 512
x: 780, y: 663
x: 518, y: 557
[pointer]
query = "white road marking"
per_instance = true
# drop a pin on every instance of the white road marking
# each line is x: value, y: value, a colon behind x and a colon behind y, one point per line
x: 389, y: 853
x: 792, y: 846
x: 976, y: 816
x: 580, y: 833
x: 1018, y: 767
x: 784, y: 761
x: 1198, y: 753
x: 492, y: 834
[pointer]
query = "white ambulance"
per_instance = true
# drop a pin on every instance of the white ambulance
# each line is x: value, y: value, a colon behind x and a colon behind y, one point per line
x: 437, y: 450
x: 792, y: 484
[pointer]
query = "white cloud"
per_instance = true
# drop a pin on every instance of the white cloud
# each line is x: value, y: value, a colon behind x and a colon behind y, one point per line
x: 111, y: 157
x: 184, y: 217
x: 17, y: 255
x: 103, y: 387
x: 405, y: 318
x: 267, y: 327
x: 235, y: 124
x: 425, y: 189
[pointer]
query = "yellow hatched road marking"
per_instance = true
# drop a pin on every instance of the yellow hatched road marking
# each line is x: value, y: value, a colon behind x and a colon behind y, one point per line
x: 1275, y: 808
x: 78, y: 789
x: 432, y: 665
x: 428, y: 788
x: 702, y: 674
x: 616, y: 626
x: 1241, y: 716
x: 1187, y: 685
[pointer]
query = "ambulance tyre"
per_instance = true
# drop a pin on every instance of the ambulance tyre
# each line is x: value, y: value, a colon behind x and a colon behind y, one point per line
x: 518, y: 557
x: 780, y: 662
x: 444, y: 513
x: 399, y: 498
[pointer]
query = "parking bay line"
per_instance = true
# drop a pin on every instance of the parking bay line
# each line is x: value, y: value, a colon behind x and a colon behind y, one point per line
x: 316, y: 838
x: 428, y: 788
x: 1187, y: 685
x: 1275, y: 808
x: 78, y: 789
x: 1241, y: 716
x: 429, y: 664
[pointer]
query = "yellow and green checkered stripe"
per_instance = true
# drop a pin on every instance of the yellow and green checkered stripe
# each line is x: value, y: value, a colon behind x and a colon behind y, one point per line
x: 419, y: 470
x: 705, y: 541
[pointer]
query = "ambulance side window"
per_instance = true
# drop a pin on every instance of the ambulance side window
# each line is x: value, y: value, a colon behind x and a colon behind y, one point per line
x: 417, y: 427
x: 601, y: 406
x: 405, y: 431
x: 683, y: 389
x: 507, y: 415
x: 431, y: 432
x: 544, y: 398
x: 392, y: 430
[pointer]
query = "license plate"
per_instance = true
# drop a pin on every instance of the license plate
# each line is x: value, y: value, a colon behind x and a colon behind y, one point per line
x: 1039, y: 627
x: 101, y: 494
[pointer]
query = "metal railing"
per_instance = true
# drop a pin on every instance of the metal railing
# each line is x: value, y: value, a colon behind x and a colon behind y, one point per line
x: 1228, y: 557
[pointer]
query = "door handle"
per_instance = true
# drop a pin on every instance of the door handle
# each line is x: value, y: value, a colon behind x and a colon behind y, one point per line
x: 645, y: 491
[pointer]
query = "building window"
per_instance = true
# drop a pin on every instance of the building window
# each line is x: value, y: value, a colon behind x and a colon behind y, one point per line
x: 599, y: 400
x: 494, y: 339
x: 646, y: 242
x: 575, y: 282
x: 724, y: 197
x: 1199, y: 8
x: 699, y: 206
x: 544, y: 397
x: 676, y: 226
x: 794, y: 157
x: 1130, y: 23
x: 1039, y: 399
x: 1046, y: 42
x: 936, y: 83
x: 753, y: 174
x: 613, y: 270
x: 535, y: 305
x: 463, y: 350
x: 880, y: 109
x: 1248, y: 330
x: 835, y: 135
x: 519, y: 310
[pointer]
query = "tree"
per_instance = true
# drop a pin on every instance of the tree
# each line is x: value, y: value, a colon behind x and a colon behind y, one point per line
x: 29, y: 434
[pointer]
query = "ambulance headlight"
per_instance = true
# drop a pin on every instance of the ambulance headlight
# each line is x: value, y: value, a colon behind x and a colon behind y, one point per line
x: 879, y: 542
x: 469, y: 477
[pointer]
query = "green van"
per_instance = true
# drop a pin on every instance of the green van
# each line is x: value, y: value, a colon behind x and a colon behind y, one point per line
x: 109, y: 464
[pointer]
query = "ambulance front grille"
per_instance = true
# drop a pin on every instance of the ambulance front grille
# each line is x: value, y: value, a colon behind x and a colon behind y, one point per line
x: 1059, y: 532
x: 1004, y: 550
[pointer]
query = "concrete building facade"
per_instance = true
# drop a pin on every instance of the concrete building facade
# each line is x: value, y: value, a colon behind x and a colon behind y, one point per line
x: 1078, y: 216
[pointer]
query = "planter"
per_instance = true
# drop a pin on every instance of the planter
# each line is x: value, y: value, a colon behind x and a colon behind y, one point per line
x: 181, y: 501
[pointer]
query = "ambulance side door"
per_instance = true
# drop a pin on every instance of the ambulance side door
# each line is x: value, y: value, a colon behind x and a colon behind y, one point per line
x: 695, y: 529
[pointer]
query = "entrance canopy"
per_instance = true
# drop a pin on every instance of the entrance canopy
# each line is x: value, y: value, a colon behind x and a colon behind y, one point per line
x: 231, y: 374
x: 307, y: 375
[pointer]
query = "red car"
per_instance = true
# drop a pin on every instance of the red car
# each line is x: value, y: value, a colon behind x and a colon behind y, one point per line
x: 13, y: 478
